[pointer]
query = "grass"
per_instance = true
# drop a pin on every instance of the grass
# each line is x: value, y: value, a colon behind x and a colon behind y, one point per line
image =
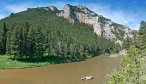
x: 7, y: 63
x: 113, y: 55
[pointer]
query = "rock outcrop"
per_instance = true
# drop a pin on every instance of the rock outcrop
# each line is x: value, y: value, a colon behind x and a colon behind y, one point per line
x: 102, y: 26
x: 53, y: 8
x: 68, y: 13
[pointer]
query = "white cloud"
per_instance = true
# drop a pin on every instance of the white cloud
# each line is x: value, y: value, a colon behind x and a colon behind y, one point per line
x: 17, y: 8
x: 118, y: 16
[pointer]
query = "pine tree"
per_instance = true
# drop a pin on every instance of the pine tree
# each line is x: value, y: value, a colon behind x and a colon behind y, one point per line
x: 39, y: 42
x: 65, y: 39
x: 3, y: 38
x: 127, y: 43
x: 31, y: 43
x: 142, y: 36
x: 24, y: 44
x: 15, y: 42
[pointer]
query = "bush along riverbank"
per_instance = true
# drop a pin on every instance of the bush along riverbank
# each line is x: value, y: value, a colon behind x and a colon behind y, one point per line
x: 8, y: 62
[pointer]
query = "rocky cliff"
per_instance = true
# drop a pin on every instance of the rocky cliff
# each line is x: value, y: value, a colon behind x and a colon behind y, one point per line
x: 49, y: 8
x: 102, y: 26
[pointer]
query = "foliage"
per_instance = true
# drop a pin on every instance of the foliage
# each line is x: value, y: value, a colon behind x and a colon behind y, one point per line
x: 103, y: 20
x: 7, y: 63
x: 142, y: 36
x: 77, y: 9
x: 118, y: 30
x: 3, y: 38
x: 127, y: 43
x: 38, y: 33
x: 82, y: 10
x: 130, y: 70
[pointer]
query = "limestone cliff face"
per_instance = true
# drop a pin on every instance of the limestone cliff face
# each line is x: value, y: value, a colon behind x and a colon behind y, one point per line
x: 107, y: 31
x: 102, y: 26
x: 68, y: 13
x: 85, y: 18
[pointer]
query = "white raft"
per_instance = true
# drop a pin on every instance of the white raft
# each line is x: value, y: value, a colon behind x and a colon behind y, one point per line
x: 87, y: 77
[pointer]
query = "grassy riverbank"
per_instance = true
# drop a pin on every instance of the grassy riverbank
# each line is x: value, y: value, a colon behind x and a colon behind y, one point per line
x: 7, y: 63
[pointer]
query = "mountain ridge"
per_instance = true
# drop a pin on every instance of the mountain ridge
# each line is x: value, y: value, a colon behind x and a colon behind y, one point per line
x: 102, y: 26
x: 40, y: 33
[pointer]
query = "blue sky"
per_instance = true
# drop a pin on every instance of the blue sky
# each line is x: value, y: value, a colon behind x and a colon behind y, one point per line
x: 126, y: 12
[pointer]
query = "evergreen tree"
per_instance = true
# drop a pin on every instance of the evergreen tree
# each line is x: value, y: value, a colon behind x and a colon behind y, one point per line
x: 3, y: 38
x: 8, y: 48
x: 142, y: 36
x: 14, y: 42
x: 39, y: 42
x: 24, y: 39
x: 65, y: 40
x: 127, y: 43
x: 30, y: 43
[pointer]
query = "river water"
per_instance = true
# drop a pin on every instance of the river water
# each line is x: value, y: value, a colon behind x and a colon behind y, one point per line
x: 69, y: 73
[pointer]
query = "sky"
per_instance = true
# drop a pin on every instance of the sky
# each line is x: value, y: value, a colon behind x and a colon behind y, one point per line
x: 126, y: 12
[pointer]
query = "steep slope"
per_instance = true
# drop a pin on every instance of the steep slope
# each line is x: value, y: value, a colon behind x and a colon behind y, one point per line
x: 102, y: 26
x: 57, y: 37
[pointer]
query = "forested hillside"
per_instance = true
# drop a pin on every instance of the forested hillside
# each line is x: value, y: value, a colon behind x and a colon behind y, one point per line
x: 38, y: 33
x: 133, y: 66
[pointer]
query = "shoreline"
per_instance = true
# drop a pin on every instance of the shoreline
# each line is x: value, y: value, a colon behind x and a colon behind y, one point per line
x: 29, y: 65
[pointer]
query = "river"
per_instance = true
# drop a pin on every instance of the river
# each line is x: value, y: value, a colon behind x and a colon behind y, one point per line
x: 69, y: 73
